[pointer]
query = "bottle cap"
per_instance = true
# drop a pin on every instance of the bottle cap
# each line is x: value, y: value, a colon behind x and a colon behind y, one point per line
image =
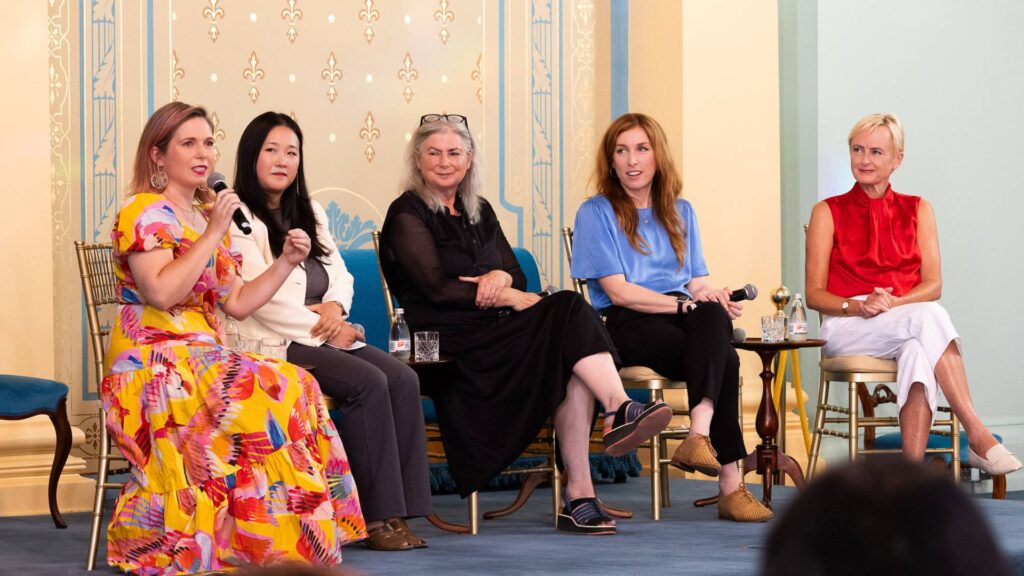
x: 399, y: 311
x: 798, y: 295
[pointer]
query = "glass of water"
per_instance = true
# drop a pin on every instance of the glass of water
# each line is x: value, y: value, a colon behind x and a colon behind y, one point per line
x: 427, y: 346
x: 274, y: 347
x: 773, y: 328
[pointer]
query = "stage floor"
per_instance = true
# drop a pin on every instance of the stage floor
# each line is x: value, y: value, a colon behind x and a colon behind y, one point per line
x: 687, y: 540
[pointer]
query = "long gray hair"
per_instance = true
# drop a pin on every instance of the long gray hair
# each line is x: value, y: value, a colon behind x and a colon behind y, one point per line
x: 471, y: 186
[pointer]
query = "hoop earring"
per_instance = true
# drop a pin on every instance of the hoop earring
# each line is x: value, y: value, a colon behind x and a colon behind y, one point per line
x: 159, y: 179
x: 611, y: 172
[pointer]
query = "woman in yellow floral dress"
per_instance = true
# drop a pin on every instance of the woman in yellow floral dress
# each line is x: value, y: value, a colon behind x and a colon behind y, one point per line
x: 234, y: 459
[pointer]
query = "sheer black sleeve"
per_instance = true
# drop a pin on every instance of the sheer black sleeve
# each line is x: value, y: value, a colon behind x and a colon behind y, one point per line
x: 414, y: 249
x: 509, y: 263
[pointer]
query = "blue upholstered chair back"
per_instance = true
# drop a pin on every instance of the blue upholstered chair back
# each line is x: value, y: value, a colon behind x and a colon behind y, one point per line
x: 368, y: 306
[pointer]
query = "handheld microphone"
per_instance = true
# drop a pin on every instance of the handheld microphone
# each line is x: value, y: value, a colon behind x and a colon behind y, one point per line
x: 748, y: 292
x: 548, y: 291
x: 217, y: 183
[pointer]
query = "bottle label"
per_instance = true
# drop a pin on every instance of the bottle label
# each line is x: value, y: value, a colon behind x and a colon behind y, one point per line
x: 797, y: 327
x: 398, y: 346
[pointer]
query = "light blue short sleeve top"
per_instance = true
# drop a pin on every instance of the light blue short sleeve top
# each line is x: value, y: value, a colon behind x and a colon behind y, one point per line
x: 601, y: 248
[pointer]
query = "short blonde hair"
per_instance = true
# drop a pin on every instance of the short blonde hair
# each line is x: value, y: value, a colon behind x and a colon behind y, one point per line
x: 872, y: 121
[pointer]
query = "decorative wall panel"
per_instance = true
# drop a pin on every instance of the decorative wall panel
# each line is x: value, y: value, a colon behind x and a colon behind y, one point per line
x: 356, y: 76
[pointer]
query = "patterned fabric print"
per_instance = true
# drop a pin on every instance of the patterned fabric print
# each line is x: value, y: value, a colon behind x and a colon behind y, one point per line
x: 235, y: 460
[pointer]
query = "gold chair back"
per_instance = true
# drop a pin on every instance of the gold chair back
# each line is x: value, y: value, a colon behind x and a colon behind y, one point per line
x: 99, y: 288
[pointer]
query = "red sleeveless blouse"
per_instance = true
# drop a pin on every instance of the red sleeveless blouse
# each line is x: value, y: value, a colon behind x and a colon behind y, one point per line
x: 875, y: 243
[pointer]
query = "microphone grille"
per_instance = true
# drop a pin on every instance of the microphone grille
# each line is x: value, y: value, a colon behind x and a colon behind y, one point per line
x: 215, y: 178
x: 751, y: 291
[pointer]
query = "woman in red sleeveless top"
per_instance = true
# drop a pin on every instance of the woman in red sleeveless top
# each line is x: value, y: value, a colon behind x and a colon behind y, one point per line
x: 874, y: 273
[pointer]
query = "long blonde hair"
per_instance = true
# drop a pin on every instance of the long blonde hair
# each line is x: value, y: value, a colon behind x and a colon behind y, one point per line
x: 666, y: 187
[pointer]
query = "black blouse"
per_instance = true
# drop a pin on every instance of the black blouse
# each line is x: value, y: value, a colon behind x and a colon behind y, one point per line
x: 424, y: 252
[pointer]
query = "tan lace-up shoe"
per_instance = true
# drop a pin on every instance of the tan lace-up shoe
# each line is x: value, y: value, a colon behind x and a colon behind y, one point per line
x: 742, y: 506
x: 696, y: 454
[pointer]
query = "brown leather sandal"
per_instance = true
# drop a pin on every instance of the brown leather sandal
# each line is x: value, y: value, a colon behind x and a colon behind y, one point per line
x: 399, y: 525
x: 385, y: 539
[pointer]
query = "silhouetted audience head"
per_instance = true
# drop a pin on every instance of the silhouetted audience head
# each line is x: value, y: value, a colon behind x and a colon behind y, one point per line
x: 882, y: 516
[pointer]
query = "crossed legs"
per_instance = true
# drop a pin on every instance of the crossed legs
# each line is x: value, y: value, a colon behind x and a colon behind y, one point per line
x: 916, y: 415
x: 594, y: 377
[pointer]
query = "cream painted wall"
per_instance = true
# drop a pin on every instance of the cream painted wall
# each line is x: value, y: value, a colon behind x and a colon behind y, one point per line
x: 26, y: 258
x: 656, y: 66
x: 730, y: 151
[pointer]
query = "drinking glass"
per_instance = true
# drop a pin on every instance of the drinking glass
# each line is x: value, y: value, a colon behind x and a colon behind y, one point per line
x: 274, y: 347
x: 773, y: 328
x: 247, y: 345
x: 427, y: 346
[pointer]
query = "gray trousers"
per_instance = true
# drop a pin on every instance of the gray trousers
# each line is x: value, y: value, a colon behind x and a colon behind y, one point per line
x: 381, y: 426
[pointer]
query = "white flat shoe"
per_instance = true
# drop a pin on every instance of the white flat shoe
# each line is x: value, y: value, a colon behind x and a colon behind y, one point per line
x: 998, y: 461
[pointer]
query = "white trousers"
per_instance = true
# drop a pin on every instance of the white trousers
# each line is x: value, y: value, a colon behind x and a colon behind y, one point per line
x: 916, y: 335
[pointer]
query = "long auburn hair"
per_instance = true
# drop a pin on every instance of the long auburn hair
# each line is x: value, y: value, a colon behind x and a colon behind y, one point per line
x: 666, y: 187
x: 296, y: 207
x: 157, y: 133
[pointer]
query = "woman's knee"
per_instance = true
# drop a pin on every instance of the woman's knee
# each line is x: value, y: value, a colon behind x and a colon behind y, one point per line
x: 934, y: 313
x: 709, y: 316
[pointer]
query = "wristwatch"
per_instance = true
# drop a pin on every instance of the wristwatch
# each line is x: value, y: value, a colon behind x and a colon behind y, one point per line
x: 846, y: 307
x: 680, y: 302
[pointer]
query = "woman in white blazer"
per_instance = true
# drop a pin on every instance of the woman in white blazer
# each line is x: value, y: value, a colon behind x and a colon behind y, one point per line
x: 379, y: 398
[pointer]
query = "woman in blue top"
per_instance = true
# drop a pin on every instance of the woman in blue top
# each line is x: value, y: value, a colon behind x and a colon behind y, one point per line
x: 638, y: 244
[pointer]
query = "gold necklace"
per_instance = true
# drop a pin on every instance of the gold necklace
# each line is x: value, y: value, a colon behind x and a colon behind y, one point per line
x: 190, y: 213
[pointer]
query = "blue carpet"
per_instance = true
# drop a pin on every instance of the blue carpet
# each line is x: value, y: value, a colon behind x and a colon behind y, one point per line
x: 688, y: 540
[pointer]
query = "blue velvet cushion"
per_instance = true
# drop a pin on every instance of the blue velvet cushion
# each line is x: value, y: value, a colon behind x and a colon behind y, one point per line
x: 21, y: 395
x: 894, y: 440
x: 368, y: 306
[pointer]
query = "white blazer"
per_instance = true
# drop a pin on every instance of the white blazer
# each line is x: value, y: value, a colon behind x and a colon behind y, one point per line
x: 285, y: 315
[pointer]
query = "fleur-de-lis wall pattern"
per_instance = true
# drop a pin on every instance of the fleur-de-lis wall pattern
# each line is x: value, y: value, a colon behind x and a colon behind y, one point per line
x: 356, y: 76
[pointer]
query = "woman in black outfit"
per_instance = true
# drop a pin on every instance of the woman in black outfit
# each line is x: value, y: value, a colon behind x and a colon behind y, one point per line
x: 519, y: 359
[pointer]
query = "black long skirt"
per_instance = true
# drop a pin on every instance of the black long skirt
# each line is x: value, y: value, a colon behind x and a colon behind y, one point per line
x: 509, y: 376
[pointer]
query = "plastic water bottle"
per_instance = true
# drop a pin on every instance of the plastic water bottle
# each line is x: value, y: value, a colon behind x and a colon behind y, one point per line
x: 399, y: 343
x: 798, y: 319
x: 231, y: 333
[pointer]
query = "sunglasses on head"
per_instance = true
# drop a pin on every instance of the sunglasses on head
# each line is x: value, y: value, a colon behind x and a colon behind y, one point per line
x: 457, y: 118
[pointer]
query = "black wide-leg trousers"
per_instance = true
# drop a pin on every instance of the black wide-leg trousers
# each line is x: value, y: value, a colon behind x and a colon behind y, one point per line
x: 696, y: 348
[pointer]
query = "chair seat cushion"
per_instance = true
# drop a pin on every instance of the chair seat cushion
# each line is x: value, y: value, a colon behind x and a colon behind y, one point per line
x: 858, y: 364
x: 22, y: 395
x: 894, y: 440
x: 639, y: 373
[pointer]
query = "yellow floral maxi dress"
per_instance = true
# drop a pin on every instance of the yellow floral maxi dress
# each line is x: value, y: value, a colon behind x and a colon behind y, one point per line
x: 234, y: 458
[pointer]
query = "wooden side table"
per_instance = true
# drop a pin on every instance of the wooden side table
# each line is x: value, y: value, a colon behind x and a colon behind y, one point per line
x: 767, y: 459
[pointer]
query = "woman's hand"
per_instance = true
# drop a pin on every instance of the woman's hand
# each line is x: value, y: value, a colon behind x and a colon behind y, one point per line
x: 296, y: 247
x: 346, y: 337
x: 879, y: 301
x: 708, y: 294
x: 331, y: 320
x: 488, y: 286
x: 516, y: 299
x: 224, y: 205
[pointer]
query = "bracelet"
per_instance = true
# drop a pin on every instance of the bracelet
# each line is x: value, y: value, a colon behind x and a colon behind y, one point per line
x: 680, y: 303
